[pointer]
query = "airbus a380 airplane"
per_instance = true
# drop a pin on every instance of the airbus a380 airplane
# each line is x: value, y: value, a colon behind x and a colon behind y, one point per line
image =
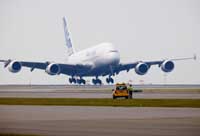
x: 100, y: 60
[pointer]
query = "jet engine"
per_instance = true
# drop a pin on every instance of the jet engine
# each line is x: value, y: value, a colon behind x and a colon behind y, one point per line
x: 53, y: 69
x: 14, y: 66
x: 167, y: 66
x: 141, y: 68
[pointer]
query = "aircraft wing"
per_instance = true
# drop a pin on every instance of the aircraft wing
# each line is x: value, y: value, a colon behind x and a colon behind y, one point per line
x: 128, y: 66
x: 141, y: 67
x: 50, y: 67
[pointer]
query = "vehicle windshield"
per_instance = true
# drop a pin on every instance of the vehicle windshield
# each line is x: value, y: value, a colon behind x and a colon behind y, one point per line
x: 121, y: 88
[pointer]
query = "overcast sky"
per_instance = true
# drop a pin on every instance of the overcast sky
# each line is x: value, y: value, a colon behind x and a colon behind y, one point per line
x: 32, y: 30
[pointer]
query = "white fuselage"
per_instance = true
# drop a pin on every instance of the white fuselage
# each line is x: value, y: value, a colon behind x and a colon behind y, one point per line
x: 101, y: 55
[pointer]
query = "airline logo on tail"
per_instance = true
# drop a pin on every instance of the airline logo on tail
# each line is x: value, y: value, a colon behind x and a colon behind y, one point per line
x: 67, y: 39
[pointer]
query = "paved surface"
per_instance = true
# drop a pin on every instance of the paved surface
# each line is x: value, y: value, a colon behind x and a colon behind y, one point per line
x: 98, y: 121
x: 42, y: 94
x: 91, y: 92
x: 138, y: 86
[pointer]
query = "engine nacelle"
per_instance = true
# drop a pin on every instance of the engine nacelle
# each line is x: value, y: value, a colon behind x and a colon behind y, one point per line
x: 14, y: 66
x: 53, y: 69
x: 167, y: 66
x: 141, y: 68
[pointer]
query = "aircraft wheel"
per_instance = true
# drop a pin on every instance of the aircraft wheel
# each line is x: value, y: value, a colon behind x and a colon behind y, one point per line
x: 111, y: 80
x: 99, y: 81
x: 78, y: 81
x: 107, y: 80
x: 70, y: 80
x: 73, y: 80
x: 94, y: 81
x: 83, y: 81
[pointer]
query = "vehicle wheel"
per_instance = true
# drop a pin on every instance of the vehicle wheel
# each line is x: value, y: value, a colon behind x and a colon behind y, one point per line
x: 114, y: 97
x: 126, y: 97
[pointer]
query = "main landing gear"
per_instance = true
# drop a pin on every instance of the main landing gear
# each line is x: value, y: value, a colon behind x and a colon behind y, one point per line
x: 78, y: 81
x: 72, y: 80
x: 109, y: 80
x: 96, y: 81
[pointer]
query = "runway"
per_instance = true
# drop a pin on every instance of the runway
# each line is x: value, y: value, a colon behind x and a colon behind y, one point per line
x: 98, y: 95
x: 98, y: 121
x: 98, y: 92
x: 107, y: 121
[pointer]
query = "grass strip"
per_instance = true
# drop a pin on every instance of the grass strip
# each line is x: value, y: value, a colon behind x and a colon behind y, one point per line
x: 195, y: 103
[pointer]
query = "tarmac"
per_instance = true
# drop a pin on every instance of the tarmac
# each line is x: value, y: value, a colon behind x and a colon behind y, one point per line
x: 143, y: 95
x: 40, y: 91
x: 98, y: 121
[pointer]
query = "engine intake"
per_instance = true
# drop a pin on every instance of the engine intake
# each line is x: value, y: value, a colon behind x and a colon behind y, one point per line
x: 53, y: 69
x: 167, y: 66
x: 14, y: 66
x: 141, y: 68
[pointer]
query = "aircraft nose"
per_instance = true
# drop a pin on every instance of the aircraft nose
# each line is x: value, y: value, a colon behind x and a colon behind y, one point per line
x: 113, y: 57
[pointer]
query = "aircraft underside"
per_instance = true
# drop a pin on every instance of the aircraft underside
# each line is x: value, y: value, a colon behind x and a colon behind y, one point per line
x: 78, y: 78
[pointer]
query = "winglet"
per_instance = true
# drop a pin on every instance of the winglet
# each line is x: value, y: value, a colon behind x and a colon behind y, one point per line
x: 67, y: 38
x: 195, y: 57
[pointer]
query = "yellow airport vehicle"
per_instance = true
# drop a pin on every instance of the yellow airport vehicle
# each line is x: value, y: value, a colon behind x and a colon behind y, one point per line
x: 121, y: 90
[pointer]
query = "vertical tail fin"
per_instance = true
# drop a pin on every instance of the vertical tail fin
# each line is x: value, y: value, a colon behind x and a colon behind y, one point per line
x: 67, y: 39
